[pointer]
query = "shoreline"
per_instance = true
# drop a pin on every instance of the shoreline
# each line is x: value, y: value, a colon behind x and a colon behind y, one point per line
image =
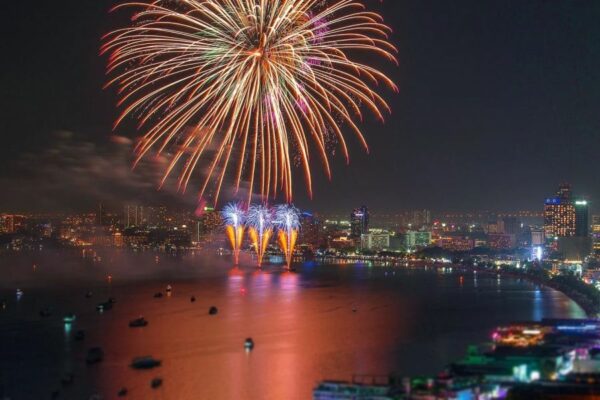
x: 580, y: 299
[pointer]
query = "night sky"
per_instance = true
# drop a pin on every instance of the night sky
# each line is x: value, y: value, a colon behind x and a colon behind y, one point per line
x: 499, y: 102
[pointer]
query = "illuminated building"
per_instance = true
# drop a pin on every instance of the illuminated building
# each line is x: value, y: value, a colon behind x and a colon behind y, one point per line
x: 310, y: 231
x: 538, y: 237
x: 6, y: 224
x: 155, y: 216
x: 375, y: 241
x: 582, y: 218
x: 596, y: 232
x: 359, y: 222
x: 413, y: 240
x: 134, y: 216
x: 501, y: 241
x: 456, y: 243
x: 559, y: 214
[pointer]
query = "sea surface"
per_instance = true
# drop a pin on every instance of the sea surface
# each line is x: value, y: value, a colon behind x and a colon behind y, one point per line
x: 322, y: 322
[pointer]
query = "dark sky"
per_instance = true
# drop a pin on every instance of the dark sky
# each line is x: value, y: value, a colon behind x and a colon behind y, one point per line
x: 499, y: 102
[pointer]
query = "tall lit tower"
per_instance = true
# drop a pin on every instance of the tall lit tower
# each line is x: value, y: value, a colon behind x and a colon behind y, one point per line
x: 559, y: 214
x: 359, y: 221
x: 582, y: 218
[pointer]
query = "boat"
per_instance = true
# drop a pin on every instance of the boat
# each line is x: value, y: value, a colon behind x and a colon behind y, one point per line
x: 249, y: 344
x: 94, y: 355
x: 69, y: 318
x: 19, y: 293
x: 104, y: 306
x: 158, y: 295
x: 169, y: 288
x: 156, y: 383
x: 138, y: 323
x: 192, y: 299
x: 145, y: 362
x: 213, y: 310
x: 3, y: 304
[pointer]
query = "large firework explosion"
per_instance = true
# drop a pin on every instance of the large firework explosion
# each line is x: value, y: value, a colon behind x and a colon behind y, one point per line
x: 247, y: 88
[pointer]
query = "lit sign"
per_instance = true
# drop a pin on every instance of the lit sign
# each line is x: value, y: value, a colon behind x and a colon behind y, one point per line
x: 581, y: 203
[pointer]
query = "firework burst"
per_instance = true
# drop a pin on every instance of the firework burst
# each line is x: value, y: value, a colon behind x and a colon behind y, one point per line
x: 260, y: 229
x: 234, y: 217
x: 241, y: 88
x: 287, y: 219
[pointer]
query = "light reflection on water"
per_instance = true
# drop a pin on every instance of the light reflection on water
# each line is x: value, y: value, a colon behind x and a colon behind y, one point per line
x: 322, y: 322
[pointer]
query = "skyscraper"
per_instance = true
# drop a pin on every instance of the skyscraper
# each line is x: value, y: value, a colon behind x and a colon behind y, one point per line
x: 559, y: 214
x: 359, y: 221
x: 582, y: 218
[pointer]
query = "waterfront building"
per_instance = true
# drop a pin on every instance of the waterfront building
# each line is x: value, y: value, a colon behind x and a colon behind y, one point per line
x: 566, y: 216
x: 375, y: 241
x: 414, y: 240
x: 456, y: 243
x: 359, y: 222
x: 596, y: 232
x: 501, y: 241
x: 538, y: 237
x: 311, y: 231
x: 559, y: 214
x: 582, y: 218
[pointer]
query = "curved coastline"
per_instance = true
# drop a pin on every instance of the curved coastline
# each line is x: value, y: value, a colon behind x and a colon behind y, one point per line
x: 589, y: 305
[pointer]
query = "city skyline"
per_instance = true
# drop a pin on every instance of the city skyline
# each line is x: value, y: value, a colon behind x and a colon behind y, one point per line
x: 432, y: 152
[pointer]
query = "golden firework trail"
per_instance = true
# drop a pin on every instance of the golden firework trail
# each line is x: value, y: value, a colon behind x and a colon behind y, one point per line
x: 260, y: 229
x: 247, y: 88
x: 234, y: 216
x: 288, y: 222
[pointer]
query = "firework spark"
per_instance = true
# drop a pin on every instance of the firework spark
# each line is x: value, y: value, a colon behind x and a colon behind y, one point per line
x: 242, y: 87
x: 287, y: 219
x: 234, y: 216
x: 260, y: 229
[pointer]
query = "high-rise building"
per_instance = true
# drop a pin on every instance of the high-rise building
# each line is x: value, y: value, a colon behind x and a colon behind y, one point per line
x: 310, y: 231
x: 359, y: 222
x: 375, y: 241
x: 559, y: 214
x: 582, y: 218
x: 413, y: 240
x: 596, y: 232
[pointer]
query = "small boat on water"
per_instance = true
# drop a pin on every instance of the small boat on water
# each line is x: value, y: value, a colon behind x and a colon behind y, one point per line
x: 104, y: 306
x: 193, y: 299
x: 145, y: 362
x: 158, y: 295
x: 69, y: 318
x: 169, y: 289
x: 156, y: 383
x: 19, y: 293
x: 213, y: 310
x: 138, y: 323
x: 249, y: 344
x: 94, y: 355
x: 3, y: 304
